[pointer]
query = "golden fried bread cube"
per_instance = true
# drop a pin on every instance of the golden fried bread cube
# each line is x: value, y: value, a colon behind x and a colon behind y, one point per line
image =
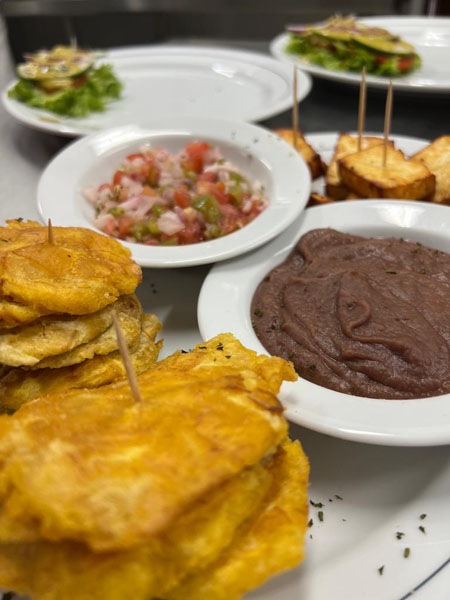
x: 319, y: 200
x: 436, y: 155
x: 345, y: 145
x: 442, y: 191
x: 364, y: 173
x: 309, y: 155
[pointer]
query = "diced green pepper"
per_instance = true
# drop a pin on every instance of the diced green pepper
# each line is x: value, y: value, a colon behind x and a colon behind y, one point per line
x: 173, y: 241
x: 116, y: 211
x: 237, y: 193
x: 237, y: 177
x: 139, y: 231
x: 152, y: 227
x: 157, y: 210
x: 209, y: 207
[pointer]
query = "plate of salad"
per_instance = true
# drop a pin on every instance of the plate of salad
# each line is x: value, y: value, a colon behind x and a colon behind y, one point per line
x: 409, y: 50
x: 74, y: 92
x: 179, y: 192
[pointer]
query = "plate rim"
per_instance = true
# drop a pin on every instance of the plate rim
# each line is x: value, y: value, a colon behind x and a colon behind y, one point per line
x: 32, y: 117
x: 222, y: 131
x: 301, y: 412
x: 350, y: 78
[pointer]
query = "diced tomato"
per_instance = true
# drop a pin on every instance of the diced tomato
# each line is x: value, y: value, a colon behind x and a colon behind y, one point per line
x: 117, y: 179
x: 197, y: 149
x: 104, y: 186
x: 380, y: 60
x: 405, y: 63
x: 205, y: 188
x: 208, y: 176
x: 132, y: 157
x: 192, y: 164
x: 181, y: 196
x: 230, y: 216
x: 191, y: 234
x: 125, y: 225
x: 149, y: 191
x: 110, y: 227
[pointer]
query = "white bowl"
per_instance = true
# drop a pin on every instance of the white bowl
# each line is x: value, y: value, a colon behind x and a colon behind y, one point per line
x: 224, y: 305
x: 260, y: 154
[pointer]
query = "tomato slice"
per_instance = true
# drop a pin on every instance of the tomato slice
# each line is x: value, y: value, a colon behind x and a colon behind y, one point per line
x: 118, y: 176
x: 110, y: 227
x: 125, y: 225
x: 192, y: 164
x: 380, y: 59
x: 405, y: 63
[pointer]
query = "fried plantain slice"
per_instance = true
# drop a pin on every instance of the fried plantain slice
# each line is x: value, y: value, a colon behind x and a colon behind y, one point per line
x: 55, y: 334
x: 271, y: 541
x: 79, y: 273
x: 18, y: 386
x: 121, y: 484
x: 129, y: 312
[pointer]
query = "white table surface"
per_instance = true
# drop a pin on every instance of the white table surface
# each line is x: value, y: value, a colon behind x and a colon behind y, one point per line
x: 380, y: 485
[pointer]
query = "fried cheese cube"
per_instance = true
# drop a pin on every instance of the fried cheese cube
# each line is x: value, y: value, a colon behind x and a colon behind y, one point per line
x: 436, y: 156
x: 345, y: 145
x: 309, y: 155
x: 364, y: 173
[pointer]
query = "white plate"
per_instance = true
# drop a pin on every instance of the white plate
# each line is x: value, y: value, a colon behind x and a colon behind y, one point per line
x: 260, y: 154
x: 429, y: 35
x: 180, y: 81
x: 225, y: 300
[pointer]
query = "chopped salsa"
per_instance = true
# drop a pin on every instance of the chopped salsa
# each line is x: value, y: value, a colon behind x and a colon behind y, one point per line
x: 163, y: 199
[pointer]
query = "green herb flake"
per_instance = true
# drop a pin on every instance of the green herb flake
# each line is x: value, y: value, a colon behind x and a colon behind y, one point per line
x: 312, y: 367
x: 422, y: 528
x: 257, y: 312
x: 399, y: 535
x: 381, y: 569
x: 423, y: 270
x: 219, y: 346
x: 228, y: 356
x: 19, y: 219
x: 320, y: 515
x: 406, y: 552
x: 202, y: 347
x: 416, y: 251
x: 316, y: 504
x: 423, y: 516
x: 338, y: 497
x: 390, y: 271
x: 310, y: 523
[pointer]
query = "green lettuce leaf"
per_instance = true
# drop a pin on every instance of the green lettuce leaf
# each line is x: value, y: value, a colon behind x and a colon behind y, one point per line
x: 100, y: 87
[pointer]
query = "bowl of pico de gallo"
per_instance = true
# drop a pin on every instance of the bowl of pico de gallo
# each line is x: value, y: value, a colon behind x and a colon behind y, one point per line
x: 182, y: 193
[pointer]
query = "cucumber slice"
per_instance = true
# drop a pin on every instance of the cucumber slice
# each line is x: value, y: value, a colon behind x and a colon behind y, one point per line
x: 385, y: 46
x: 62, y: 62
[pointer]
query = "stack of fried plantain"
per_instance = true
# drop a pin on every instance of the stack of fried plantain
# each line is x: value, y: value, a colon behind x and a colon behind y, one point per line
x: 59, y: 290
x: 194, y: 492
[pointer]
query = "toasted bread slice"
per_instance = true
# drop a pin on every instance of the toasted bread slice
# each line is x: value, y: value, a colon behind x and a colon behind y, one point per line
x: 363, y: 173
x: 310, y: 156
x: 345, y: 145
x: 436, y: 155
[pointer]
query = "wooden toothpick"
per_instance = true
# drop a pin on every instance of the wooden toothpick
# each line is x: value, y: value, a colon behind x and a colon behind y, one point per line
x: 123, y: 348
x: 295, y: 109
x: 387, y: 122
x: 51, y: 237
x: 362, y: 108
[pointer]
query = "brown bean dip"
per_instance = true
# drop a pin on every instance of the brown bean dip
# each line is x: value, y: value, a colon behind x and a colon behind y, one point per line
x: 363, y: 316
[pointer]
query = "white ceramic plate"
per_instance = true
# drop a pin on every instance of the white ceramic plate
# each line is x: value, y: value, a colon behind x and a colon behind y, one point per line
x: 260, y: 154
x: 429, y: 35
x: 225, y: 300
x: 180, y: 81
